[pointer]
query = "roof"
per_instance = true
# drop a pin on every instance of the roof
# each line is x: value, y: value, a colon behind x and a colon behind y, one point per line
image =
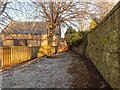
x: 0, y: 35
x: 25, y: 27
x: 0, y: 41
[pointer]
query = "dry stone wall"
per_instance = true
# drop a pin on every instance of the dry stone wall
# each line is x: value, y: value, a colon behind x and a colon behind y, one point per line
x: 103, y: 47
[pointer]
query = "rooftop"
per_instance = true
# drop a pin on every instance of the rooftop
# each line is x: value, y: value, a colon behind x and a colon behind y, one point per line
x: 25, y: 27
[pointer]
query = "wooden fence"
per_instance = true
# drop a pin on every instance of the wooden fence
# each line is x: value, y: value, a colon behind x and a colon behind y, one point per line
x: 12, y: 55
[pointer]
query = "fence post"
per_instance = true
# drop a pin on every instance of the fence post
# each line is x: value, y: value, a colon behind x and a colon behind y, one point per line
x: 1, y: 57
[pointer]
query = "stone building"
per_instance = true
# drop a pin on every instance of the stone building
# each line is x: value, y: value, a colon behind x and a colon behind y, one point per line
x: 19, y: 33
x: 0, y: 40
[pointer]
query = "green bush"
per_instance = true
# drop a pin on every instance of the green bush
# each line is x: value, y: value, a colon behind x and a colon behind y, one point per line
x: 72, y: 37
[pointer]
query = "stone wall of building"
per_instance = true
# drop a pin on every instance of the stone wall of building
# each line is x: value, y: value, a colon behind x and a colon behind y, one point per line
x: 103, y: 47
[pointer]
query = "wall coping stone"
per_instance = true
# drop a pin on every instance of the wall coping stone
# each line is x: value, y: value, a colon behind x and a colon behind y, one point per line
x: 115, y: 8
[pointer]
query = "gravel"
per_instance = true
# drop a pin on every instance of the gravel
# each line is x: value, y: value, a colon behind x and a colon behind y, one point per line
x: 63, y: 70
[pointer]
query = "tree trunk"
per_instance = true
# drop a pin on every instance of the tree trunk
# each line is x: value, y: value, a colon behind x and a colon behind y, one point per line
x: 56, y: 49
x: 50, y: 40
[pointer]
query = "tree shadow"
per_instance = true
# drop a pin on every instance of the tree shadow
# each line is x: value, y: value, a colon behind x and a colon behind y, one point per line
x: 85, y: 75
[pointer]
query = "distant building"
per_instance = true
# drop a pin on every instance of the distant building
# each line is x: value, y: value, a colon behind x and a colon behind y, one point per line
x: 19, y: 33
x: 0, y: 40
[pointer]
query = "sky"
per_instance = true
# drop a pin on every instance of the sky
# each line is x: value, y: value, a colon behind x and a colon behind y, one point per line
x: 63, y: 0
x: 26, y: 12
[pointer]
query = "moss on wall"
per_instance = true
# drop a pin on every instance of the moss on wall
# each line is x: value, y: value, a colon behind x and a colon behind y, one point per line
x: 103, y: 47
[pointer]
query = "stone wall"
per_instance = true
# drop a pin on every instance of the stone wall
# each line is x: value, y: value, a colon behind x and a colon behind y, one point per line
x: 103, y: 47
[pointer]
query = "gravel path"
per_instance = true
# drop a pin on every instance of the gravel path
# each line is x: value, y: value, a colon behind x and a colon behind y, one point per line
x: 64, y: 70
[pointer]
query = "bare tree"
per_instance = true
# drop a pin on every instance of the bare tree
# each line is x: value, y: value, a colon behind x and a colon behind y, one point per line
x: 20, y: 10
x: 67, y: 13
x: 3, y: 5
x: 57, y: 13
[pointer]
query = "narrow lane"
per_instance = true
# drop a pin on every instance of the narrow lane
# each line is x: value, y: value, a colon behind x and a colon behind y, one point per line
x: 64, y: 70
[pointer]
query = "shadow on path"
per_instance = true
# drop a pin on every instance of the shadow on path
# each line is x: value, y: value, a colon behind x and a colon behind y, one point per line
x: 63, y: 70
x: 84, y: 73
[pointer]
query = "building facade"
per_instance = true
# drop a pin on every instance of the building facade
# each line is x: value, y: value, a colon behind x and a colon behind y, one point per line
x: 26, y: 33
